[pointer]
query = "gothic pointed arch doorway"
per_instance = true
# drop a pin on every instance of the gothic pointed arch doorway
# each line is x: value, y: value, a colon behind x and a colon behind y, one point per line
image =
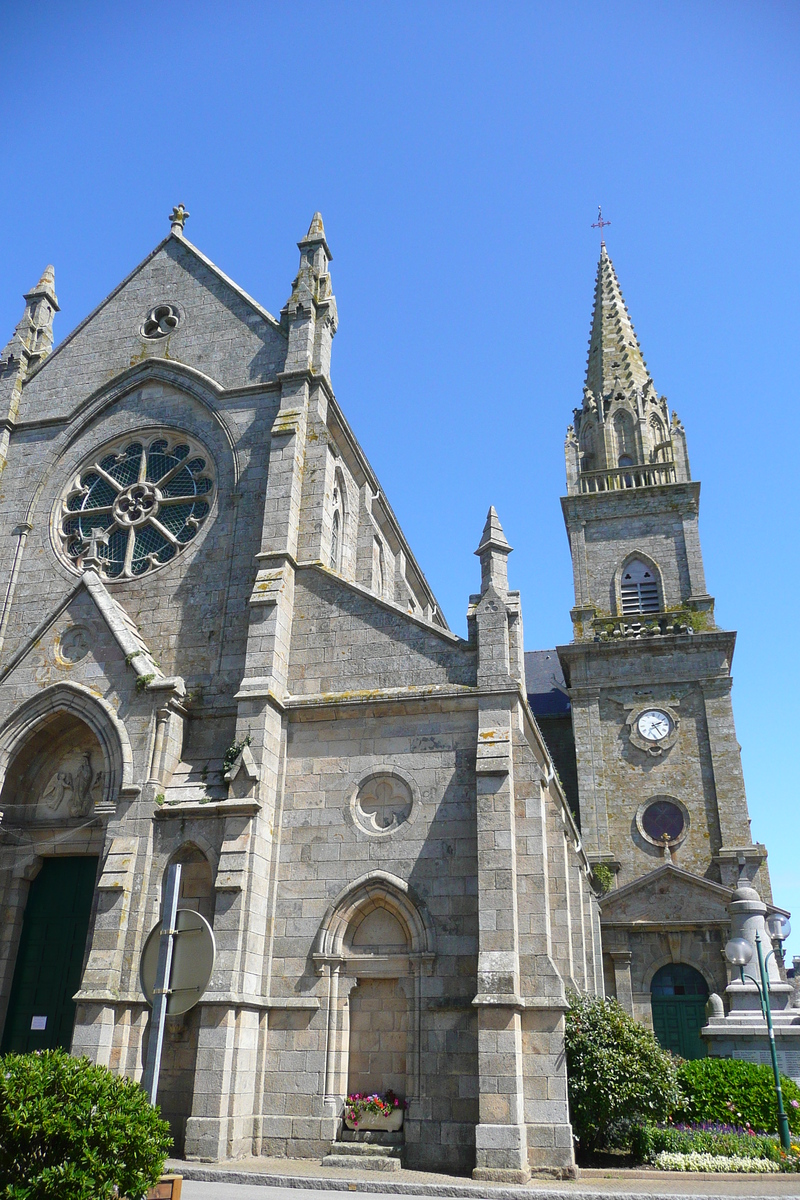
x: 380, y: 1009
x: 57, y: 778
x: 375, y: 944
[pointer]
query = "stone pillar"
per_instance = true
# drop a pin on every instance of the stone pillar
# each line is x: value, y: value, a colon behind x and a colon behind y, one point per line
x: 622, y: 978
x: 500, y: 1137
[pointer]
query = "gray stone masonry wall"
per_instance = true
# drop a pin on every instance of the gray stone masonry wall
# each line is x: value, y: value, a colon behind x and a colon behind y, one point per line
x: 657, y: 523
x: 373, y: 821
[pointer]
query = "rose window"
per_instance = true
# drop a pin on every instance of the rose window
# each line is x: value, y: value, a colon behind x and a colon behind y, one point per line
x: 146, y: 500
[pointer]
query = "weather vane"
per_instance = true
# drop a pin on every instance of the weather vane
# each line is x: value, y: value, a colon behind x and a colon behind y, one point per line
x: 600, y: 223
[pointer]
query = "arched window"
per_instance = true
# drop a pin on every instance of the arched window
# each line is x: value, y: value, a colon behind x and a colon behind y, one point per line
x: 588, y: 462
x: 657, y: 439
x: 623, y: 432
x: 335, y: 541
x: 639, y: 588
x: 378, y: 573
x: 197, y: 881
x: 337, y: 524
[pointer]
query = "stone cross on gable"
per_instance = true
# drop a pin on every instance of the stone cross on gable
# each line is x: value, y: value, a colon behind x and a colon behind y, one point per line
x: 178, y: 218
x: 98, y: 537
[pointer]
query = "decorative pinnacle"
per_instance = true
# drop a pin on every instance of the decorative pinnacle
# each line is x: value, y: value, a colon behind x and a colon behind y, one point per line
x: 316, y: 229
x: 179, y: 216
x: 45, y: 287
x: 316, y: 235
x: 493, y: 552
x: 493, y: 536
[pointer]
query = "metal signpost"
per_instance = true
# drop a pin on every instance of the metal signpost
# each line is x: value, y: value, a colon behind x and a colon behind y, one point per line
x: 176, y: 965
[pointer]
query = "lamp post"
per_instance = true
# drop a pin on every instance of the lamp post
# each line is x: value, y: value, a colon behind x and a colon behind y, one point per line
x: 739, y: 952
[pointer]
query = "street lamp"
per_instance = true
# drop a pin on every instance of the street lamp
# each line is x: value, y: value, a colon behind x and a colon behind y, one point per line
x: 738, y: 952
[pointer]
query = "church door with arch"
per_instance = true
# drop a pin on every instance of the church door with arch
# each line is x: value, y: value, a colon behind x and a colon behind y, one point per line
x: 678, y: 994
x: 41, y: 1011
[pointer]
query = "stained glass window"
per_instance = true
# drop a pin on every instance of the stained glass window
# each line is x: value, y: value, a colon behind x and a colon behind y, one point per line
x: 147, y: 496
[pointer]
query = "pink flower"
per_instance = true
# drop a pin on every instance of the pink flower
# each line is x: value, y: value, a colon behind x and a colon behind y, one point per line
x: 795, y: 1103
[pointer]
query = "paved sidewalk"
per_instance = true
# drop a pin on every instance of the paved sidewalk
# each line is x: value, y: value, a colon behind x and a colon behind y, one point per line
x: 303, y: 1179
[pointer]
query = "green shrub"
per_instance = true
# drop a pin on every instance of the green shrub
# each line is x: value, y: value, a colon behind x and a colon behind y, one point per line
x: 728, y: 1089
x: 648, y: 1141
x: 70, y: 1130
x: 618, y: 1074
x: 604, y: 877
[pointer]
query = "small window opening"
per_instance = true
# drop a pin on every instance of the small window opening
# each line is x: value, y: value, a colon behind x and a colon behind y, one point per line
x: 335, y: 542
x: 639, y: 589
x: 378, y: 574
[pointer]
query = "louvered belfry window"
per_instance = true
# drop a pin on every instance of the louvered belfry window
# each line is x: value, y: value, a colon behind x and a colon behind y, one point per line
x: 639, y: 588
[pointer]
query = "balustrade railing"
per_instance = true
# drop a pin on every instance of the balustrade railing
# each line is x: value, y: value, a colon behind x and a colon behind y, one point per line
x: 618, y: 478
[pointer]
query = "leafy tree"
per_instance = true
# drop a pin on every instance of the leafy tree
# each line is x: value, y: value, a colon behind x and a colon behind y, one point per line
x: 618, y: 1074
x: 70, y: 1130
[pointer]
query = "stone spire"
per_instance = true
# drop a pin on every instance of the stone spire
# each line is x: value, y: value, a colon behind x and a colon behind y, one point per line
x: 615, y: 360
x: 33, y: 337
x: 493, y: 552
x: 31, y: 342
x: 309, y: 314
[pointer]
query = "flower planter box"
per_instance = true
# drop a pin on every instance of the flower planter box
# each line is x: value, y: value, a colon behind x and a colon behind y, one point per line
x: 372, y: 1120
x: 167, y: 1188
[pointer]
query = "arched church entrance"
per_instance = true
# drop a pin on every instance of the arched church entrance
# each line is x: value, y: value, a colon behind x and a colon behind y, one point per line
x: 678, y: 995
x: 380, y: 1010
x: 51, y: 787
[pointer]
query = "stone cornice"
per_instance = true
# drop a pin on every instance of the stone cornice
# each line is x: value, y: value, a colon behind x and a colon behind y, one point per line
x: 582, y: 506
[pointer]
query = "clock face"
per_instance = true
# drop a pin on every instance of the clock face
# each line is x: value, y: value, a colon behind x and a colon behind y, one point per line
x: 654, y: 725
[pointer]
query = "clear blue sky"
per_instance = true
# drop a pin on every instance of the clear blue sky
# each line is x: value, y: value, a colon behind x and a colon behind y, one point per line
x: 458, y: 152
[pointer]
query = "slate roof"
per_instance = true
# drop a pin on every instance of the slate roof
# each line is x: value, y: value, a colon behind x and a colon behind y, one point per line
x: 544, y: 683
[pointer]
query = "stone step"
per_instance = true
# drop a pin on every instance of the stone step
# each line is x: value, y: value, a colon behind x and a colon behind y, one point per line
x: 376, y: 1162
x: 375, y: 1137
x: 365, y: 1150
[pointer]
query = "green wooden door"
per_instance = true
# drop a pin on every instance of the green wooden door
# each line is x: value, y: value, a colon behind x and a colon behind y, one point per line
x: 47, y: 975
x: 678, y: 996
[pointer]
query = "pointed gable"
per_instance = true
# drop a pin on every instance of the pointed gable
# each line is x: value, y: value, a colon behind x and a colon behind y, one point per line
x: 667, y: 894
x: 86, y: 637
x: 208, y: 324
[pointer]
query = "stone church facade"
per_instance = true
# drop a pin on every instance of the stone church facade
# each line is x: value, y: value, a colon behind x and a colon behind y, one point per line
x: 218, y: 649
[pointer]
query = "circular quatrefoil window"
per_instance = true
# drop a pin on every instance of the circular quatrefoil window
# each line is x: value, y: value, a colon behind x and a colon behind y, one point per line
x: 382, y: 803
x: 136, y: 504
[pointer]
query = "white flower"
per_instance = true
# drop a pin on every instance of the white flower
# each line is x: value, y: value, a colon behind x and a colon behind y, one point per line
x: 695, y: 1161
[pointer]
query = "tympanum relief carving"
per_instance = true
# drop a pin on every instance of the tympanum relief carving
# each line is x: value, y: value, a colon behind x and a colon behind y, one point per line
x: 73, y: 789
x: 58, y: 775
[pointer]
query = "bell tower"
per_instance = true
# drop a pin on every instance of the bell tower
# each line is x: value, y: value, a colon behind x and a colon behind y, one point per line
x: 648, y: 671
